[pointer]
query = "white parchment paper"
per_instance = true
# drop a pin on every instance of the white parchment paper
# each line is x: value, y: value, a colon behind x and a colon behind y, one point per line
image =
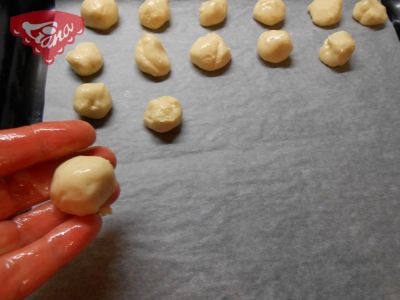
x: 282, y: 183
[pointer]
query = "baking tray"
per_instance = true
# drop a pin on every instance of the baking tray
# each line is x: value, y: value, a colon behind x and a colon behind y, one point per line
x: 282, y: 183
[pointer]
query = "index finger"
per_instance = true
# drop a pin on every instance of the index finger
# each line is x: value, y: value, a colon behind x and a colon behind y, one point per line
x: 25, y: 146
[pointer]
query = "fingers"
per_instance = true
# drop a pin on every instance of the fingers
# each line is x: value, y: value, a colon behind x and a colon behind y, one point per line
x: 24, y: 270
x: 31, y: 186
x: 25, y: 146
x: 30, y: 226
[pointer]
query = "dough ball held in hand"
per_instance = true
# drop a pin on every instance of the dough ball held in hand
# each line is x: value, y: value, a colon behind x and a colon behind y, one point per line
x: 99, y: 14
x: 370, y: 13
x: 210, y: 52
x: 85, y: 59
x: 213, y: 12
x: 81, y: 185
x: 163, y: 114
x: 92, y: 100
x: 154, y: 14
x: 151, y: 57
x: 326, y: 12
x: 337, y: 49
x: 269, y: 12
x: 274, y: 46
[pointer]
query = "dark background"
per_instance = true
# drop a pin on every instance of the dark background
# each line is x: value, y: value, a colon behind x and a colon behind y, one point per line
x: 22, y: 74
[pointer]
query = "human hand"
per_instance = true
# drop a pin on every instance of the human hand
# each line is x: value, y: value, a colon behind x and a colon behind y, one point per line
x: 37, y: 243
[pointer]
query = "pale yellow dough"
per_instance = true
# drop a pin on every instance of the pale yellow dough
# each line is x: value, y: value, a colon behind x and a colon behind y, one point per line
x: 337, y: 49
x: 370, y: 13
x: 99, y: 14
x: 163, y: 114
x: 213, y: 12
x: 326, y: 12
x: 269, y: 12
x: 274, y: 46
x: 151, y: 57
x: 154, y: 14
x: 210, y: 52
x: 85, y: 59
x: 92, y: 100
x: 81, y: 185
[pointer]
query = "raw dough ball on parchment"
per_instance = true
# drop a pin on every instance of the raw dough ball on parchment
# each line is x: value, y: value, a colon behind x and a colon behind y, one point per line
x: 370, y: 13
x: 210, y: 52
x: 92, y: 100
x: 326, y: 12
x: 337, y: 49
x: 274, y: 46
x: 85, y: 59
x: 269, y: 12
x: 151, y: 57
x: 99, y: 14
x: 154, y: 14
x: 213, y: 12
x: 163, y: 114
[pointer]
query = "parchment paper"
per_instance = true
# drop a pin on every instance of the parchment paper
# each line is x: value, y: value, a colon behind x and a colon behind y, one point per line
x: 283, y: 182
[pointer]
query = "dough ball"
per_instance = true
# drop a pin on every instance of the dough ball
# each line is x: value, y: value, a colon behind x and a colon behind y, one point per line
x: 163, y: 114
x: 213, y: 12
x: 210, y: 52
x: 337, y: 49
x: 81, y: 185
x: 92, y: 100
x: 85, y: 59
x: 326, y: 12
x: 154, y: 14
x: 151, y: 57
x: 99, y: 14
x: 370, y: 13
x: 274, y: 46
x: 269, y: 12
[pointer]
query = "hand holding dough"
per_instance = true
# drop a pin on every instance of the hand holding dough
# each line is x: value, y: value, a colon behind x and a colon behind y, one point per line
x: 370, y: 13
x: 154, y: 14
x: 151, y: 57
x: 163, y: 114
x: 326, y: 12
x: 337, y: 49
x: 269, y: 12
x: 81, y: 185
x: 99, y: 14
x: 274, y: 46
x: 92, y: 100
x: 213, y: 12
x: 85, y: 59
x: 210, y: 52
